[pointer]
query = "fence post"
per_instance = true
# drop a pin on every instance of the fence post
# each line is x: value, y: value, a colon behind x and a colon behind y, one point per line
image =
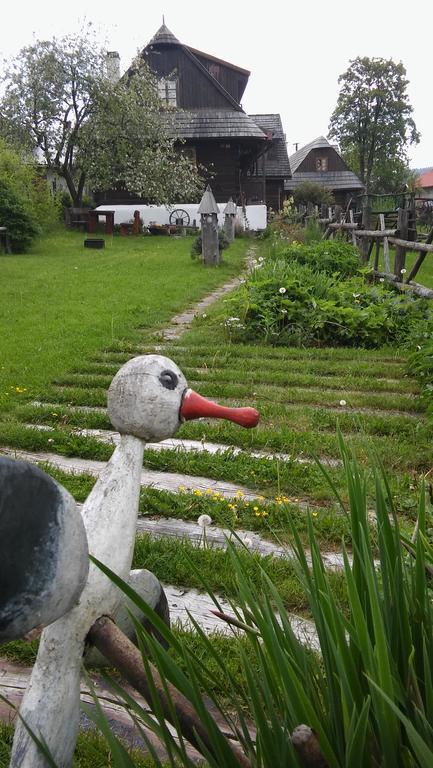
x: 364, y: 245
x: 400, y: 251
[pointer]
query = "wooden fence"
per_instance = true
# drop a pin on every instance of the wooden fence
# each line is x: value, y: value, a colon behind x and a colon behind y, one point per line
x: 402, y: 237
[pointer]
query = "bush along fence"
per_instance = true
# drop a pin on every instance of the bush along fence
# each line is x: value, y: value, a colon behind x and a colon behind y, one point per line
x: 376, y: 228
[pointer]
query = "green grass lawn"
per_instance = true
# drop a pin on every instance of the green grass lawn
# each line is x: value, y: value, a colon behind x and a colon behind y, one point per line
x: 61, y: 302
x: 69, y: 318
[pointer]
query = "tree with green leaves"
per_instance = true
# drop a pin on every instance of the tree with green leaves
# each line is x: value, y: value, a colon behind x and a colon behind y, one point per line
x: 130, y: 143
x: 59, y: 102
x: 373, y: 122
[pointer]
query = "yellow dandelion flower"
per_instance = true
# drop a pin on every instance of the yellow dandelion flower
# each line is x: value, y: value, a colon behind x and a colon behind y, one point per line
x: 265, y: 514
x: 209, y: 491
x: 257, y: 514
x: 256, y: 509
x: 197, y: 492
x: 315, y: 514
x: 182, y: 488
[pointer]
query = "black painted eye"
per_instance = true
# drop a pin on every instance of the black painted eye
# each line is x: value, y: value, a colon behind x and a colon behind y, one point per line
x: 168, y: 379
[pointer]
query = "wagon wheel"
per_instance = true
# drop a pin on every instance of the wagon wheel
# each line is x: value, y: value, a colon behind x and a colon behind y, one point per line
x: 179, y: 217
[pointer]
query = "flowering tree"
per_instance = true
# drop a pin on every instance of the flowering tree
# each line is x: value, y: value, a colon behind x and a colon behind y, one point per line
x: 130, y: 143
x: 59, y: 102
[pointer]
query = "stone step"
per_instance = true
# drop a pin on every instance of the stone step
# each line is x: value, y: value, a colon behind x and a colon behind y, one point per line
x: 163, y: 481
x: 188, y: 446
x: 214, y: 536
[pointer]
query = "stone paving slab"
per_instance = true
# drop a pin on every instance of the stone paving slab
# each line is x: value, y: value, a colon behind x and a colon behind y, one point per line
x: 163, y: 481
x: 111, y: 437
x: 159, y: 527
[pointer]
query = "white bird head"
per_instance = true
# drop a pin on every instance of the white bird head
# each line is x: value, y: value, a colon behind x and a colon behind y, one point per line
x: 149, y: 398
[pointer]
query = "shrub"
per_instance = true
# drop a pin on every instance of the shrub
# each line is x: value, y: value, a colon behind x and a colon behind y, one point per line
x: 287, y: 302
x: 312, y: 192
x: 13, y: 215
x: 330, y: 256
x: 24, y: 178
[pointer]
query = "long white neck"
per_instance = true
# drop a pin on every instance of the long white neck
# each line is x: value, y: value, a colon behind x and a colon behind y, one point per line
x: 51, y: 703
x: 110, y: 511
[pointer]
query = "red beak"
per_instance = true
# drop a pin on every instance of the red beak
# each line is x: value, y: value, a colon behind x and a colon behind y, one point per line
x: 195, y: 406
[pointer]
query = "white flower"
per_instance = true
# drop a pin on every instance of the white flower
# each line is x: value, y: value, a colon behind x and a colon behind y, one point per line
x: 282, y: 290
x: 355, y: 295
x: 204, y: 520
x: 403, y: 271
x: 381, y: 279
x: 343, y: 402
x: 204, y: 315
x: 50, y: 440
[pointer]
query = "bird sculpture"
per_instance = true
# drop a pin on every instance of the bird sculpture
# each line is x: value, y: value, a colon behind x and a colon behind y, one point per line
x: 148, y: 399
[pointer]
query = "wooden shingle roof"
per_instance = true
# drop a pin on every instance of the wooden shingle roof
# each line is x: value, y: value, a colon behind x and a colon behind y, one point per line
x: 165, y: 36
x: 214, y: 124
x: 277, y: 159
x: 331, y: 179
x: 298, y: 157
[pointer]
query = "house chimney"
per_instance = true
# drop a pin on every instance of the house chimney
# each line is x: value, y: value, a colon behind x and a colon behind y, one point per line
x: 112, y: 63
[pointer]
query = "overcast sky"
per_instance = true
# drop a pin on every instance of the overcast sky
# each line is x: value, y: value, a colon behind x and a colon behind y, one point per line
x: 294, y: 50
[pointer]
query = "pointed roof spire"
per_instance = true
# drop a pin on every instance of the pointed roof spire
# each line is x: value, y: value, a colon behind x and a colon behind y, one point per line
x: 164, y: 36
x: 230, y: 208
x: 208, y: 202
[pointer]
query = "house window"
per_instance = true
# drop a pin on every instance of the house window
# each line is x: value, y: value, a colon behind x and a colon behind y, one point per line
x: 167, y: 92
x: 321, y: 163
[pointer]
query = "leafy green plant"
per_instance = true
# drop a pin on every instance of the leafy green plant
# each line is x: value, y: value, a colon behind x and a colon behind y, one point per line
x: 312, y: 192
x: 363, y: 683
x: 14, y: 215
x: 311, y: 295
x: 329, y: 256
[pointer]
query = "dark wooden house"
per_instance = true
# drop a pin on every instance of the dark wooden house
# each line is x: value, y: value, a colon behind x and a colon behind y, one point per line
x: 319, y: 161
x: 245, y: 156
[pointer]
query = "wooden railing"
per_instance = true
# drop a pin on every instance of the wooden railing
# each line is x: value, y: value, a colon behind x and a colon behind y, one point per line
x: 366, y: 238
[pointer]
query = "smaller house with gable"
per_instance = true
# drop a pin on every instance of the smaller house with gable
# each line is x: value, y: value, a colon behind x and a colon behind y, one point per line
x: 320, y: 162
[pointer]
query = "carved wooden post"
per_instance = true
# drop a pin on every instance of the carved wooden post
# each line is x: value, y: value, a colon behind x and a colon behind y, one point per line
x: 400, y: 251
x: 209, y: 211
x: 229, y: 220
x: 136, y: 227
x: 366, y: 224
